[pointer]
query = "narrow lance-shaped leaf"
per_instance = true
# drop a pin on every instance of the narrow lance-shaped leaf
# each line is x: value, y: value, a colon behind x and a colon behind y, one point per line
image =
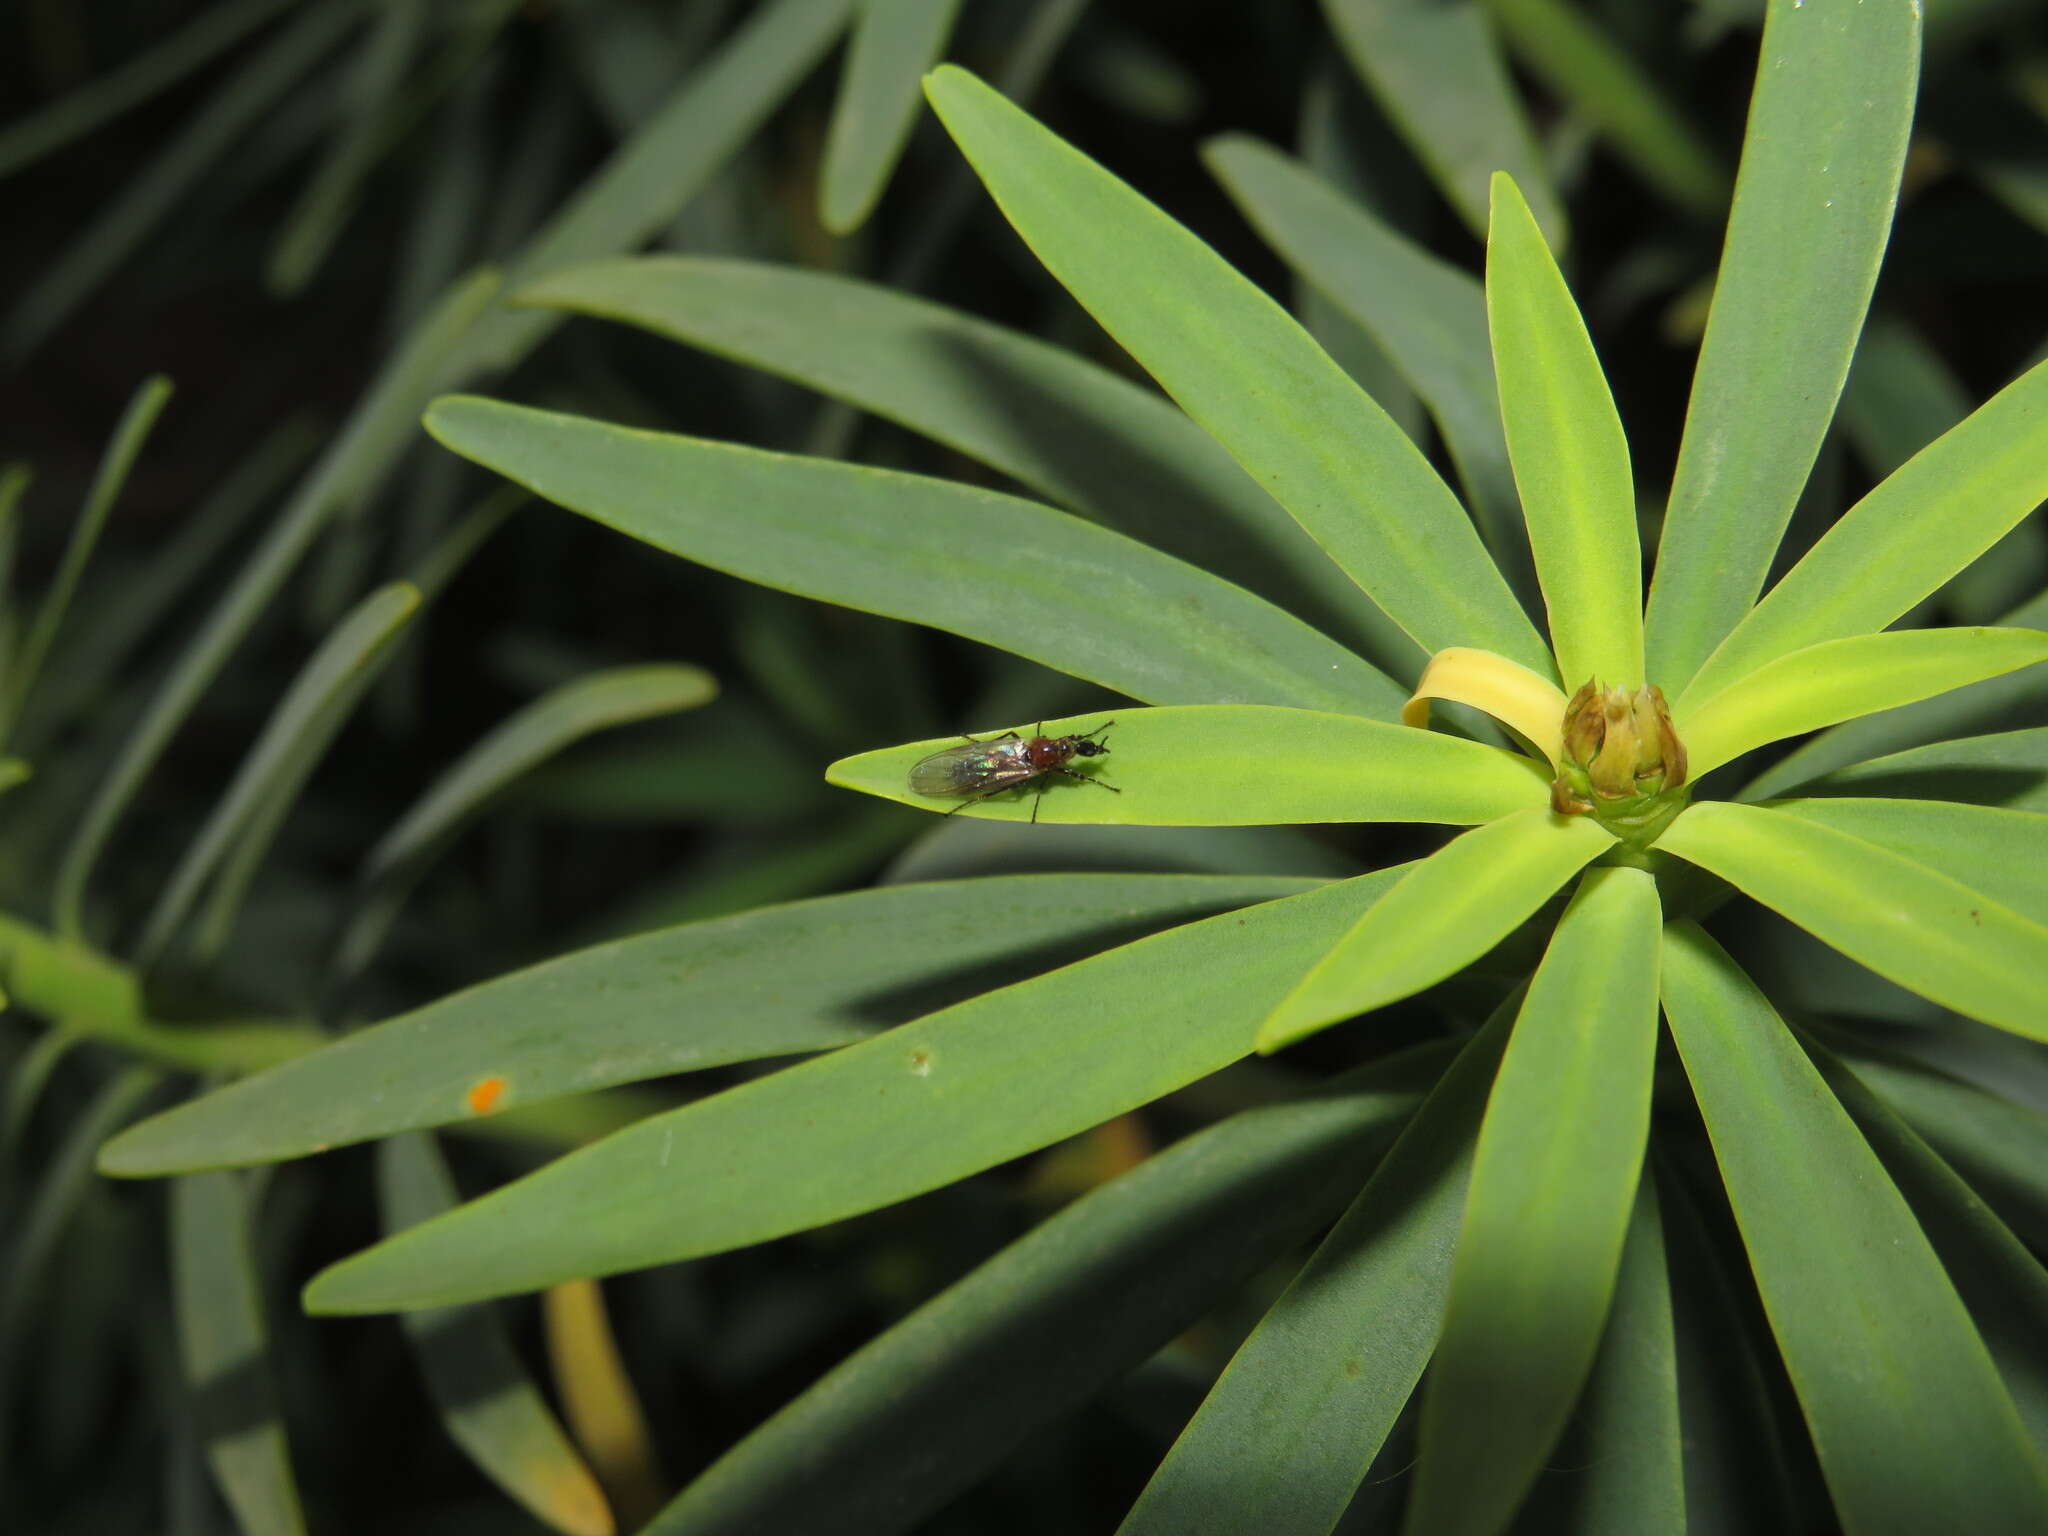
x: 293, y: 739
x: 1452, y: 908
x: 1975, y: 707
x: 1999, y: 1280
x: 126, y: 220
x: 1236, y: 765
x: 1053, y: 588
x: 2003, y: 853
x: 1254, y: 380
x: 714, y: 110
x: 1841, y: 679
x: 608, y: 1014
x: 488, y: 1404
x: 80, y: 110
x: 930, y: 1102
x: 1429, y: 315
x: 1553, y: 1182
x: 1570, y: 457
x: 366, y: 99
x: 1871, y: 1330
x: 1564, y: 46
x: 511, y: 749
x: 1999, y: 1146
x: 25, y: 667
x: 1927, y: 521
x: 2008, y: 769
x: 897, y: 1429
x: 1620, y: 1468
x: 1437, y: 72
x: 222, y: 1340
x: 351, y: 468
x: 1282, y: 1441
x: 894, y: 43
x: 1827, y: 134
x: 1062, y: 426
x: 1910, y: 924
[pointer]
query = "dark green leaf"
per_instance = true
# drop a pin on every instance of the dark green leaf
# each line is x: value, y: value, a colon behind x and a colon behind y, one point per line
x: 1052, y: 588
x: 1813, y: 208
x: 221, y: 1338
x: 1915, y: 1430
x: 909, y: 1420
x: 951, y: 1094
x: 1286, y: 1434
x: 488, y: 1404
x: 1437, y: 72
x: 1254, y: 380
x: 674, y: 1001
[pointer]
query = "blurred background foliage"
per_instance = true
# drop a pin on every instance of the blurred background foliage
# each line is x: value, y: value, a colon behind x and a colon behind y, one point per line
x: 265, y: 201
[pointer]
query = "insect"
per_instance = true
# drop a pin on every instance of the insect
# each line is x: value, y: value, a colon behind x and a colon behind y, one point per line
x: 978, y: 769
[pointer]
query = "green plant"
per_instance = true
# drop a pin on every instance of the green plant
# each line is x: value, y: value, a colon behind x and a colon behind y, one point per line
x: 1525, y: 1206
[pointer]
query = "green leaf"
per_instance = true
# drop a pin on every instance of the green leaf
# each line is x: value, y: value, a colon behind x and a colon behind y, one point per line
x: 1841, y: 679
x: 909, y: 1420
x: 33, y: 1239
x: 2008, y: 769
x: 1239, y: 765
x: 136, y: 422
x: 1436, y: 71
x: 1429, y: 315
x: 221, y: 1339
x: 1051, y: 587
x: 63, y: 979
x: 610, y: 1014
x: 2002, y: 1284
x: 1065, y: 428
x: 2003, y: 853
x: 1900, y: 396
x: 1570, y: 457
x: 488, y: 1404
x: 1287, y: 1433
x: 511, y: 749
x: 1974, y: 708
x: 894, y: 43
x: 1910, y: 924
x: 153, y: 195
x: 1914, y: 1429
x: 367, y: 101
x: 1997, y: 1145
x: 77, y: 112
x: 1553, y: 1181
x: 351, y: 469
x: 1454, y: 906
x: 1950, y: 503
x: 1595, y: 76
x: 1622, y: 1471
x: 1827, y: 134
x: 128, y: 604
x: 294, y: 739
x: 649, y: 179
x: 930, y: 1102
x: 1255, y: 381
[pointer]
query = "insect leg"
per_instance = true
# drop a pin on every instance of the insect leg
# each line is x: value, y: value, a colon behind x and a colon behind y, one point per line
x: 1087, y: 778
x: 985, y: 794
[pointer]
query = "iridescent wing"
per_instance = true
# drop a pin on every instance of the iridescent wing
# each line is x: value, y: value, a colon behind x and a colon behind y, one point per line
x: 971, y: 767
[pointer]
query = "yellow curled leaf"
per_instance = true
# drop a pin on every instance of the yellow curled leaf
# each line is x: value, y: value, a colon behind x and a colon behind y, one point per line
x: 1526, y: 702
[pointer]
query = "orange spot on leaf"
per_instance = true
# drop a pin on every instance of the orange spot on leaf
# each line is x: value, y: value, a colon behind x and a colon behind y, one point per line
x: 484, y: 1096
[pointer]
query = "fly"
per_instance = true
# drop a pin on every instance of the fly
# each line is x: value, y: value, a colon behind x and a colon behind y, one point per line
x: 978, y: 769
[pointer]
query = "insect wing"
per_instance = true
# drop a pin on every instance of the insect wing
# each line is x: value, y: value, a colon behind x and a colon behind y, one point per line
x: 971, y: 766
